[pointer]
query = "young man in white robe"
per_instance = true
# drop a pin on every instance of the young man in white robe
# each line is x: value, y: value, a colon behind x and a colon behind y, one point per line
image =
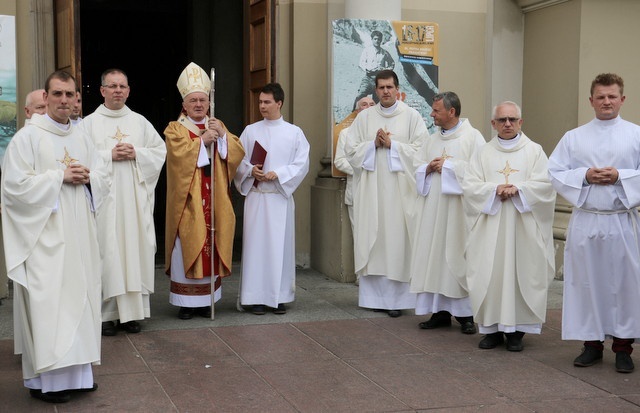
x: 509, y: 204
x: 134, y: 154
x: 380, y: 146
x: 54, y: 259
x: 596, y: 167
x: 268, y: 239
x: 438, y: 264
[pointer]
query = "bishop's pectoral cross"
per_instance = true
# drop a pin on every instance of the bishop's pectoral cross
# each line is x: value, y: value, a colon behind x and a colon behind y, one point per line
x: 67, y: 160
x: 119, y: 136
x: 445, y: 155
x: 507, y: 171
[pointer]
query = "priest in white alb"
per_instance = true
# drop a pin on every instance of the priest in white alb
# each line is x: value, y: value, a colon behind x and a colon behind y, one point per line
x: 134, y: 154
x: 53, y: 256
x: 596, y: 168
x: 509, y: 204
x: 268, y: 239
x: 380, y: 146
x: 438, y: 264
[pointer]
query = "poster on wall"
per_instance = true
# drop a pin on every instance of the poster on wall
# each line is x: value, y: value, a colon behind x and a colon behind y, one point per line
x: 361, y: 48
x: 8, y: 106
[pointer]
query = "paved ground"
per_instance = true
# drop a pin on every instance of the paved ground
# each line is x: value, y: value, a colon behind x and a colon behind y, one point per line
x: 326, y: 355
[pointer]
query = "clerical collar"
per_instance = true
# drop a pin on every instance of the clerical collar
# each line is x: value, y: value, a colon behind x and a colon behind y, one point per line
x: 606, y: 122
x: 61, y: 126
x: 446, y: 132
x: 197, y: 122
x: 509, y: 143
x: 390, y: 109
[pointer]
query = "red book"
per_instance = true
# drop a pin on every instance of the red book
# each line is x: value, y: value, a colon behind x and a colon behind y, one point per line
x: 258, y: 156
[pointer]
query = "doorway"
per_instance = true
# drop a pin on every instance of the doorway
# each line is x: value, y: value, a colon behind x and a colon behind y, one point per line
x: 152, y: 41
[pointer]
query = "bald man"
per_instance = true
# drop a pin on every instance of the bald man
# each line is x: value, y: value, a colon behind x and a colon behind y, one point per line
x: 34, y: 103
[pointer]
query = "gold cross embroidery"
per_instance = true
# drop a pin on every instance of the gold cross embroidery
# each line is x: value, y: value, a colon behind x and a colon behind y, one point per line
x: 67, y: 160
x: 507, y: 171
x: 119, y: 136
x: 445, y: 155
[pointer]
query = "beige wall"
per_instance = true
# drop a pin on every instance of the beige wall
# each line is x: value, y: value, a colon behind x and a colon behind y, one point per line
x: 461, y: 51
x: 551, y: 67
x: 609, y: 36
x: 566, y: 46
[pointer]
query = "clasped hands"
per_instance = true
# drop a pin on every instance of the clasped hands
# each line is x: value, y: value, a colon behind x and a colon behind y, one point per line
x: 261, y: 176
x: 76, y: 174
x: 383, y: 139
x: 213, y: 132
x: 506, y: 191
x: 123, y: 152
x: 602, y: 176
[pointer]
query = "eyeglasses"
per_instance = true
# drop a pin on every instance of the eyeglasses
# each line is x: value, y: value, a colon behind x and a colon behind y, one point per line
x: 114, y: 87
x: 504, y: 120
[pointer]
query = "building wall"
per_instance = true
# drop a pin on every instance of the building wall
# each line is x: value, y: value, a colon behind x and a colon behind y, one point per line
x: 551, y: 68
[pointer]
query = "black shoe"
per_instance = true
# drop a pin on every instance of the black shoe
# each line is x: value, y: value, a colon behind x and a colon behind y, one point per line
x: 588, y: 357
x: 258, y: 309
x: 86, y: 390
x: 50, y: 397
x: 394, y: 313
x: 624, y: 364
x: 514, y: 341
x: 131, y: 327
x: 186, y: 313
x: 491, y: 340
x: 280, y: 310
x: 439, y: 319
x: 109, y: 328
x: 468, y: 327
x: 204, y: 311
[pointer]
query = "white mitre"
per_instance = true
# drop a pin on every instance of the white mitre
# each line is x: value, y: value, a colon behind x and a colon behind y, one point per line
x: 193, y: 79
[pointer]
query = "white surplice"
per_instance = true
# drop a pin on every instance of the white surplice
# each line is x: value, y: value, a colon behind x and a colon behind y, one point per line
x: 268, y: 241
x: 52, y: 253
x: 438, y: 265
x: 125, y: 221
x: 510, y: 255
x: 602, y: 252
x: 383, y: 197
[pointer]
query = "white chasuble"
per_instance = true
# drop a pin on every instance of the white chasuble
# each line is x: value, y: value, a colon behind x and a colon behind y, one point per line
x: 51, y: 247
x: 125, y: 220
x: 438, y: 264
x: 510, y: 256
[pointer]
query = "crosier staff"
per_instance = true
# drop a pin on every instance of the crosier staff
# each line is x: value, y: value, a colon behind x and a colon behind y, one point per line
x: 213, y: 148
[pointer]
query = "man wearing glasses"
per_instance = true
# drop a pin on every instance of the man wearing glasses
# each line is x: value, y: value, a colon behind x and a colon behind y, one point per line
x: 509, y: 203
x: 134, y: 153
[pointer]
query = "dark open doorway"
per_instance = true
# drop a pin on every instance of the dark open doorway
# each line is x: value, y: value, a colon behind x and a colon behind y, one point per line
x: 152, y: 41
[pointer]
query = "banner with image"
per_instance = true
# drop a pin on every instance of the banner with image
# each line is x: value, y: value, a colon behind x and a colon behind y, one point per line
x: 8, y: 82
x: 361, y: 48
